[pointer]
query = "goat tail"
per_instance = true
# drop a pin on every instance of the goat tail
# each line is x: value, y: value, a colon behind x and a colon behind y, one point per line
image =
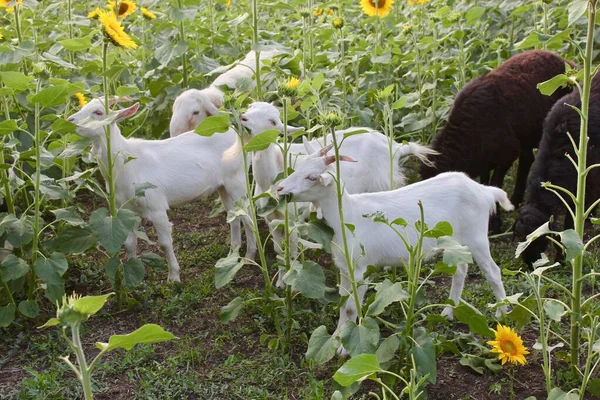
x: 498, y: 196
x: 417, y: 150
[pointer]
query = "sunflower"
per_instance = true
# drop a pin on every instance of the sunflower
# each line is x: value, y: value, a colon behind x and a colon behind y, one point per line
x: 381, y: 8
x: 414, y: 2
x: 149, y: 15
x: 1, y: 36
x: 329, y: 11
x: 4, y: 3
x: 114, y: 30
x: 228, y: 3
x: 81, y: 98
x: 289, y: 88
x: 338, y: 23
x: 317, y: 12
x: 126, y: 7
x: 94, y: 14
x: 509, y: 346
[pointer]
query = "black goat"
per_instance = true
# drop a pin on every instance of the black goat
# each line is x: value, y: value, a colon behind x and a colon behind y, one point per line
x: 496, y: 119
x: 552, y: 165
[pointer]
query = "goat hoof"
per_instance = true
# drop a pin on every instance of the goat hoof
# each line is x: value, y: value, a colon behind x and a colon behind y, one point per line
x: 448, y: 312
x: 174, y: 278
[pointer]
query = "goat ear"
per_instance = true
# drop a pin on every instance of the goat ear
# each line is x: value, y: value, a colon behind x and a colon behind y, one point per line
x: 329, y: 160
x: 210, y: 109
x: 325, y: 150
x: 325, y: 179
x: 346, y: 158
x: 127, y: 112
x: 307, y: 146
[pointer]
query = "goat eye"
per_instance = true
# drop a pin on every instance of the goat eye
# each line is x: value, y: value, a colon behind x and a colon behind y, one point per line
x: 273, y: 122
x: 98, y: 112
x: 196, y: 112
x: 311, y: 178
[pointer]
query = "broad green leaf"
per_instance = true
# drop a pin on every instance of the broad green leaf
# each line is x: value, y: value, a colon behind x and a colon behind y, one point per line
x: 110, y: 231
x: 213, y: 124
x: 423, y: 350
x: 532, y: 40
x: 317, y: 231
x: 29, y: 308
x: 149, y: 333
x: 19, y: 231
x: 554, y: 310
x: 230, y: 311
x: 474, y: 319
x: 75, y: 240
x: 362, y: 338
x: 168, y: 50
x: 387, y: 349
x: 13, y: 268
x: 576, y: 9
x: 357, y: 369
x: 400, y: 103
x: 262, y: 140
x: 541, y: 231
x: 474, y: 14
x: 141, y: 188
x: 454, y: 252
x: 227, y: 267
x: 55, y: 292
x: 90, y: 305
x: 133, y: 271
x: 56, y: 95
x: 387, y: 293
x: 127, y: 90
x: 51, y: 270
x: 68, y: 215
x: 572, y: 242
x: 551, y: 85
x: 50, y: 322
x: 79, y: 44
x: 7, y: 315
x: 7, y: 127
x: 128, y: 218
x: 519, y: 313
x: 557, y: 393
x: 322, y: 346
x: 153, y: 260
x: 476, y: 363
x: 15, y: 80
x: 440, y: 229
x: 309, y: 280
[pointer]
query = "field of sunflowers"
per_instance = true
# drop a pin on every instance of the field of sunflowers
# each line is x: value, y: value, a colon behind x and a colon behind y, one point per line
x: 82, y: 318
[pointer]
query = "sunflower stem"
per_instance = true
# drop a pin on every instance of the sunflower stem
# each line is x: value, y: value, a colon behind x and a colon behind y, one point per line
x: 255, y: 39
x: 184, y: 55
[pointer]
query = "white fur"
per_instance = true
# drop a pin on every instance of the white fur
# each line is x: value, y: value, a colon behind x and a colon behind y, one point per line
x: 451, y: 197
x: 193, y: 105
x: 183, y: 169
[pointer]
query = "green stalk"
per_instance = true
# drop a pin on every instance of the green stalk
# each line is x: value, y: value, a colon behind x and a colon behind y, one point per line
x: 36, y: 190
x: 581, y: 181
x: 342, y: 67
x: 211, y: 12
x: 4, y: 173
x: 85, y: 377
x: 184, y: 56
x: 19, y: 32
x: 389, y: 130
x: 286, y: 226
x: 69, y: 17
x: 255, y: 45
x: 304, y: 45
x: 546, y: 366
x: 339, y: 193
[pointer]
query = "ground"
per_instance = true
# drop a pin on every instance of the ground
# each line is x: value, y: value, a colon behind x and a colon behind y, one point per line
x: 215, y: 361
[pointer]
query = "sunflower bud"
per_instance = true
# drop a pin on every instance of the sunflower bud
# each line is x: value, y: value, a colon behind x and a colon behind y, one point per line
x: 329, y: 11
x: 338, y: 23
x: 454, y: 17
x: 289, y: 88
x: 40, y: 70
x: 317, y: 12
x: 499, y: 43
x: 304, y: 12
x: 331, y: 118
x: 407, y: 29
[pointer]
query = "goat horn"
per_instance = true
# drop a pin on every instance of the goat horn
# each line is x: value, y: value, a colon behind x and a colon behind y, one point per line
x: 325, y: 150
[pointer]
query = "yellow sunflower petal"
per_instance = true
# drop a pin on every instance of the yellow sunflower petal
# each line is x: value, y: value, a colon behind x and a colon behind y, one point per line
x: 149, y: 15
x: 508, y: 345
x: 114, y: 30
x: 381, y: 8
x: 126, y: 7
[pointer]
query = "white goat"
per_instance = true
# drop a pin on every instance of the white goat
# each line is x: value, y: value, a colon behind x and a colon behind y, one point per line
x: 371, y: 145
x: 183, y: 169
x: 451, y: 197
x: 193, y: 105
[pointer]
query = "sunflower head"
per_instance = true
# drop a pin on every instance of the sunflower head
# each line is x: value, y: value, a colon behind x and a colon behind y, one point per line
x: 228, y: 3
x: 81, y: 99
x: 329, y: 11
x: 338, y: 23
x: 147, y: 14
x: 126, y: 7
x: 114, y: 30
x: 4, y: 3
x: 508, y: 345
x: 317, y: 12
x: 381, y: 8
x: 94, y: 14
x: 289, y: 88
x: 304, y: 12
x: 415, y: 2
x: 331, y: 118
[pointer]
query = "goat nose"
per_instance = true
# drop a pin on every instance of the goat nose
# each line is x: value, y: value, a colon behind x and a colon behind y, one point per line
x: 71, y: 119
x: 279, y: 188
x: 244, y: 118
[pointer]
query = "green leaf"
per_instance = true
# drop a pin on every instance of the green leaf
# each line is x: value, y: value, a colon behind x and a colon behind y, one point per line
x: 423, y: 350
x: 68, y: 215
x: 15, y: 80
x: 51, y: 270
x: 153, y: 260
x: 149, y: 333
x: 140, y: 188
x: 230, y: 311
x: 357, y: 369
x: 541, y: 231
x: 476, y: 363
x: 90, y: 305
x: 75, y: 240
x: 133, y: 271
x: 308, y: 280
x: 29, y: 308
x: 554, y: 310
x: 557, y: 393
x: 572, y: 242
x: 400, y: 103
x: 317, y: 231
x: 7, y: 315
x: 127, y: 90
x: 262, y: 140
x: 548, y: 87
x: 56, y: 95
x: 227, y: 267
x: 576, y: 9
x: 213, y: 124
x: 519, y: 313
x: 7, y: 127
x: 474, y: 14
x: 474, y: 319
x: 19, y: 231
x: 13, y: 268
x: 110, y: 231
x: 454, y: 252
x: 79, y: 44
x: 322, y: 346
x: 387, y: 293
x: 50, y: 322
x: 440, y: 229
x: 362, y: 338
x: 55, y: 293
x: 387, y: 349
